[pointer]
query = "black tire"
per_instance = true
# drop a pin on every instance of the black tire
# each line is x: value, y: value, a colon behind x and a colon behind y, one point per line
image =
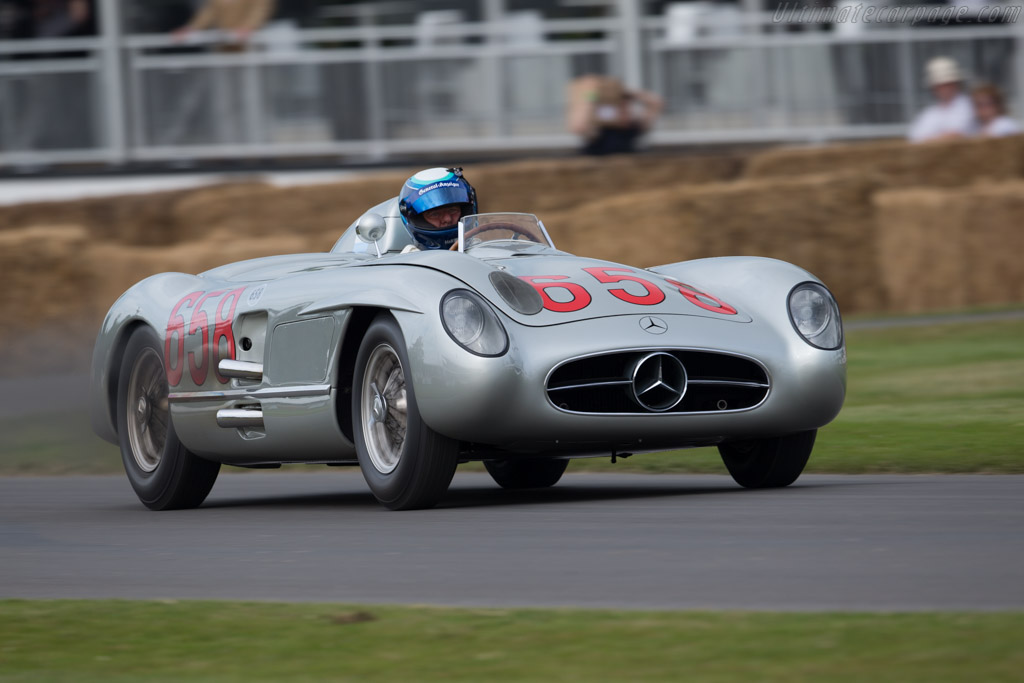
x: 768, y: 463
x: 164, y: 474
x: 415, y: 471
x: 526, y: 473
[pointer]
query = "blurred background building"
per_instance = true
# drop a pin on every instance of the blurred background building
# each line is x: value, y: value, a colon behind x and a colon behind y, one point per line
x: 120, y: 81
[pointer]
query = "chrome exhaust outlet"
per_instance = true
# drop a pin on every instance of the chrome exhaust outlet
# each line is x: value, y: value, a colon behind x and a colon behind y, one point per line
x: 240, y: 418
x: 241, y: 369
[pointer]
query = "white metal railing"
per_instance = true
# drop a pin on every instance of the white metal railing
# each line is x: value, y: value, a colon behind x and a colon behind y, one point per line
x: 379, y: 91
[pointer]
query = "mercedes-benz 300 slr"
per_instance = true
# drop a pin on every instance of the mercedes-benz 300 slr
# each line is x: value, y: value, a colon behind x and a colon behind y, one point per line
x: 503, y: 350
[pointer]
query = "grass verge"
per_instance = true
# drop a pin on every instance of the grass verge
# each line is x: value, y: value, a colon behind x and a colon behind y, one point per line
x: 218, y: 641
x: 939, y: 398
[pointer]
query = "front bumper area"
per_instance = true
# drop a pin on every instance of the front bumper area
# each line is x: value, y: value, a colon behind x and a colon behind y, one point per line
x: 503, y: 402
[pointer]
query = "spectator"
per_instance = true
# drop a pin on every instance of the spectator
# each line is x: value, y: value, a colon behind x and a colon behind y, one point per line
x: 237, y: 17
x: 951, y: 116
x: 990, y: 112
x: 63, y: 18
x: 15, y: 19
x: 608, y: 117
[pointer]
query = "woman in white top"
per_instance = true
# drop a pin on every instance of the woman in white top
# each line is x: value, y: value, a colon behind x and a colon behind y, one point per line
x: 990, y: 111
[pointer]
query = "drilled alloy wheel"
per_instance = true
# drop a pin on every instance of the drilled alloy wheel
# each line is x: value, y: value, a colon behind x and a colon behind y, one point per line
x: 147, y: 410
x: 384, y: 409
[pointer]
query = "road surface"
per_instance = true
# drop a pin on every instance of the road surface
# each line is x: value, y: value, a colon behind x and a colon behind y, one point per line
x: 639, y: 541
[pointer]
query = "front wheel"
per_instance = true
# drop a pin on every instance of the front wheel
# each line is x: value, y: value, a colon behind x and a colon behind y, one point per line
x: 768, y: 463
x: 164, y: 474
x: 406, y: 464
x: 526, y: 473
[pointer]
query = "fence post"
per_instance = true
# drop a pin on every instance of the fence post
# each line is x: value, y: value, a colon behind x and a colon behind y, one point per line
x: 907, y: 77
x: 493, y: 13
x: 113, y: 80
x: 1018, y: 66
x: 632, y: 58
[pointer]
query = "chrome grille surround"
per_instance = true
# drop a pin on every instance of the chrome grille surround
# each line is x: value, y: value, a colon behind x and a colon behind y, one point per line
x: 603, y: 383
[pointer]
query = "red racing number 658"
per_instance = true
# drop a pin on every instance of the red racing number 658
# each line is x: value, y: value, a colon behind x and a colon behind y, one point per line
x: 208, y: 351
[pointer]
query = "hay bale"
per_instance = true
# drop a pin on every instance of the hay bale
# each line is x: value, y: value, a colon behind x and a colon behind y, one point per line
x: 919, y: 243
x: 43, y: 275
x: 254, y: 209
x: 821, y: 223
x: 266, y: 211
x: 133, y: 219
x: 42, y: 285
x: 58, y: 284
x: 555, y: 185
x: 994, y: 242
x: 939, y: 164
x: 943, y: 249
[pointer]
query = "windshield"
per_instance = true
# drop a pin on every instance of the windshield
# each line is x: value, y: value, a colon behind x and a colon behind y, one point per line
x: 488, y: 228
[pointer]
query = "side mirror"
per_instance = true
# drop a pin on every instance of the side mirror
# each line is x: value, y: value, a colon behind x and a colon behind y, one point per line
x: 371, y: 229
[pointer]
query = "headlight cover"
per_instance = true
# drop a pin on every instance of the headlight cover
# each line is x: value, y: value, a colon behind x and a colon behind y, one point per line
x: 815, y: 316
x: 473, y: 324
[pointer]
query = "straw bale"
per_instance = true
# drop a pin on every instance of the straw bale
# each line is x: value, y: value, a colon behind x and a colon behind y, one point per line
x: 920, y: 255
x: 942, y: 249
x: 544, y: 187
x: 42, y: 272
x: 939, y: 164
x: 137, y: 219
x: 993, y: 216
x: 253, y: 209
x: 822, y: 223
x: 58, y: 284
x: 260, y: 211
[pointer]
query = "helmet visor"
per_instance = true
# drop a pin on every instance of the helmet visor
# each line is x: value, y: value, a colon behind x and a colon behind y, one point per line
x: 440, y: 193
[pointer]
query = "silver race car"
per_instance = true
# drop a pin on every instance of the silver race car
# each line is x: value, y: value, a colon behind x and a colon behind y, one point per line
x: 503, y: 349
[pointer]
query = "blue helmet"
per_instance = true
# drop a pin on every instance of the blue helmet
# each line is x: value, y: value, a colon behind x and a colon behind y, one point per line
x: 431, y: 189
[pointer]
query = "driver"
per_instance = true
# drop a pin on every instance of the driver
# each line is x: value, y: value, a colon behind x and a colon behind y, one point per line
x: 431, y: 204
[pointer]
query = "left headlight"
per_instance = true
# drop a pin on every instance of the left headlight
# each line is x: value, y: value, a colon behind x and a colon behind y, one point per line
x: 471, y: 322
x: 815, y: 315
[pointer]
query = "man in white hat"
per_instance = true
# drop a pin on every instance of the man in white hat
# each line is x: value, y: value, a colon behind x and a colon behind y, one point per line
x: 951, y: 116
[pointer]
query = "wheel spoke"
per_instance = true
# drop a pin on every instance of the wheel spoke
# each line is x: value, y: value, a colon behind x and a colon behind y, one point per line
x: 148, y: 419
x: 383, y: 408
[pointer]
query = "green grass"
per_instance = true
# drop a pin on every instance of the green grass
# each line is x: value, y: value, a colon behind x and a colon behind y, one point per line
x: 55, y: 444
x: 114, y: 641
x: 941, y: 398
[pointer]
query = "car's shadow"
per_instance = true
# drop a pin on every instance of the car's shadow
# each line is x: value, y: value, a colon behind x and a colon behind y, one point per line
x: 483, y: 496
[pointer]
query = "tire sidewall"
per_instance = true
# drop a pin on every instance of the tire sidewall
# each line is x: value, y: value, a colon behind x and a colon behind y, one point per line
x: 526, y: 473
x: 769, y: 463
x: 151, y: 487
x: 389, y: 487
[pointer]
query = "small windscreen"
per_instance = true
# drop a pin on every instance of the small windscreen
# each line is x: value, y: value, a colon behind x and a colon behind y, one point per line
x: 501, y: 227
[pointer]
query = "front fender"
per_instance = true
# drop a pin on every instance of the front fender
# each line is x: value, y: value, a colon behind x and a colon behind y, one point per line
x: 146, y: 303
x: 758, y: 285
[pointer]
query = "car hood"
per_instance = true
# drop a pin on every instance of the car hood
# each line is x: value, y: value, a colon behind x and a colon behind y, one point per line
x: 574, y: 288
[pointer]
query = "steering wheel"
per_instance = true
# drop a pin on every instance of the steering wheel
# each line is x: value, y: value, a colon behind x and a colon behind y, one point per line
x: 480, y: 229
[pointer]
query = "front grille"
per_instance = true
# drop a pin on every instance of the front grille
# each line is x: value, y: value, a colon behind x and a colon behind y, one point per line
x: 716, y: 382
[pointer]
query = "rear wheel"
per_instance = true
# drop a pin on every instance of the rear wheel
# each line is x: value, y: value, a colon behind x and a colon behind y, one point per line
x: 768, y: 463
x: 406, y: 464
x: 526, y: 473
x: 164, y: 474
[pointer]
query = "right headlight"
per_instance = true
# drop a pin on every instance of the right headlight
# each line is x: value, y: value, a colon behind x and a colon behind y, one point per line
x: 815, y: 315
x: 471, y: 322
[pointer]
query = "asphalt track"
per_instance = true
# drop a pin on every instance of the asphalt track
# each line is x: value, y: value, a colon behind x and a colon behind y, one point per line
x: 641, y: 541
